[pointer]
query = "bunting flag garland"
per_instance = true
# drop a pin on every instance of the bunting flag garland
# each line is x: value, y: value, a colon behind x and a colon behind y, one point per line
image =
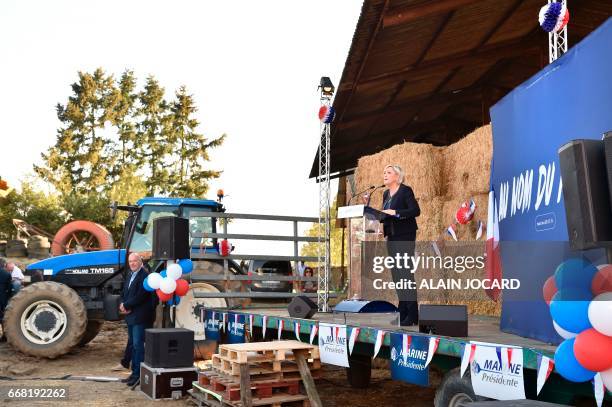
x: 469, y: 351
x: 281, y: 325
x: 264, y: 325
x: 451, y: 231
x: 598, y: 388
x: 480, y: 228
x: 251, y: 318
x: 313, y: 332
x: 509, y: 350
x: 380, y: 335
x: 436, y: 249
x: 353, y: 338
x: 545, y: 368
x: 296, y: 329
x: 433, y: 346
x: 472, y: 206
x: 406, y: 340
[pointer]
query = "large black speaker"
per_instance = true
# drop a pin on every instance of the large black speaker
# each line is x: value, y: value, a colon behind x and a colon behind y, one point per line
x: 607, y: 139
x: 586, y: 194
x: 169, y: 347
x: 302, y: 307
x: 447, y: 320
x: 170, y: 238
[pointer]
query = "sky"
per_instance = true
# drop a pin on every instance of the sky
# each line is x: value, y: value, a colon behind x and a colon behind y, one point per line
x: 252, y: 66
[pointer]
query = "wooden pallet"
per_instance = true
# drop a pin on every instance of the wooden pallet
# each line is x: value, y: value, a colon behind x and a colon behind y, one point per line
x: 229, y: 386
x: 231, y: 367
x: 256, y: 352
x: 205, y: 396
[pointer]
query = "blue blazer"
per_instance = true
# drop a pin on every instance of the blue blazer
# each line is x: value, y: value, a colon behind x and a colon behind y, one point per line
x: 137, y: 300
x: 406, y: 208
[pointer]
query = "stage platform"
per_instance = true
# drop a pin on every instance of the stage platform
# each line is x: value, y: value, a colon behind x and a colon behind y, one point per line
x: 480, y: 328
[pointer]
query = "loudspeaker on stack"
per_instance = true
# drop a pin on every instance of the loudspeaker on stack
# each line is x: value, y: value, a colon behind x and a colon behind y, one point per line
x: 167, y: 371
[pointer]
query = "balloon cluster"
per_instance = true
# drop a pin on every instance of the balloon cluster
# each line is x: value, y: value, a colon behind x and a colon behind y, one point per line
x: 553, y: 17
x: 168, y: 285
x: 580, y: 299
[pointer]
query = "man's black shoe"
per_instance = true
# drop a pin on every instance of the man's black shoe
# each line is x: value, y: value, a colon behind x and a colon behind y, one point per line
x: 127, y: 379
x: 132, y: 381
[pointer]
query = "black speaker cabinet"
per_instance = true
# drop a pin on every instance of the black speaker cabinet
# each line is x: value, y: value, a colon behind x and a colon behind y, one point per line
x: 447, y: 320
x: 302, y: 307
x: 586, y: 194
x: 170, y: 238
x: 168, y: 347
x: 607, y: 139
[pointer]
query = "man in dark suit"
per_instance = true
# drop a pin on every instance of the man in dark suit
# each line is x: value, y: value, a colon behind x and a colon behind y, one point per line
x: 137, y: 306
x: 5, y: 293
x: 400, y: 229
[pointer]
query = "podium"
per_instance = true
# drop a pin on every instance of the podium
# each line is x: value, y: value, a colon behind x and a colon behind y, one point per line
x: 364, y: 225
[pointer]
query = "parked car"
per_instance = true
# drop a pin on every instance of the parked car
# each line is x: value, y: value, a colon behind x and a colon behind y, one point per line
x: 270, y: 268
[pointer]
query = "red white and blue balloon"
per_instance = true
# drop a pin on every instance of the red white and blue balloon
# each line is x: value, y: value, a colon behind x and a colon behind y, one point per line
x: 553, y: 17
x: 327, y: 114
x: 168, y: 283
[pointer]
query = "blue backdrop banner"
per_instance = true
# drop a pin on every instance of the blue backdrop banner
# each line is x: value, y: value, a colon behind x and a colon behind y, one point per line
x: 235, y: 328
x: 569, y: 99
x: 408, y: 357
x: 212, y: 322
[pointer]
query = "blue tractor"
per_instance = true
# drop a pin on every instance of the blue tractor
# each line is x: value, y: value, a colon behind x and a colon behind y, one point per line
x: 70, y: 296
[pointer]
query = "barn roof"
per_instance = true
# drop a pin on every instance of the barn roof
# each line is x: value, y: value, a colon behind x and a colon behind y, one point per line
x: 429, y: 70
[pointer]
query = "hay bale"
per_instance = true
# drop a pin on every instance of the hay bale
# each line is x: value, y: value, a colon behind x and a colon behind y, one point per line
x: 421, y: 162
x: 430, y: 222
x: 467, y: 164
x: 442, y: 178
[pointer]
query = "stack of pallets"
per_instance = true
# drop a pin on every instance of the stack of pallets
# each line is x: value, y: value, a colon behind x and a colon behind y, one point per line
x: 274, y: 377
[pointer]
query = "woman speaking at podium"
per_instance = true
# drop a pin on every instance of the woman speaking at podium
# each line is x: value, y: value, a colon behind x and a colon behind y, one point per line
x: 400, y: 228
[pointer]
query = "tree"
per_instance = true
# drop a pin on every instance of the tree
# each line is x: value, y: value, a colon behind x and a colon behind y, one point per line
x: 155, y: 138
x: 37, y: 208
x: 310, y: 248
x: 189, y: 177
x: 116, y: 142
x: 125, y: 121
x: 82, y: 159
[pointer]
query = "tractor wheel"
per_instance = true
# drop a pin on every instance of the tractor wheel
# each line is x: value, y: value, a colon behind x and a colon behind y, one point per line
x: 81, y: 236
x: 45, y: 319
x: 91, y: 331
x: 455, y: 391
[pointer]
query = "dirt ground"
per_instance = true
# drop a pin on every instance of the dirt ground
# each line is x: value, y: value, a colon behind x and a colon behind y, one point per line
x: 104, y: 352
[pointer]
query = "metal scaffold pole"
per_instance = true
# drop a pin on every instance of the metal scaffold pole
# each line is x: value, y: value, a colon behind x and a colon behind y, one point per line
x: 557, y: 41
x: 324, y: 246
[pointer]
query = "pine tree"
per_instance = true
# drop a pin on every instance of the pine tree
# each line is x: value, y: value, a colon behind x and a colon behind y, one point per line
x: 81, y: 160
x: 189, y: 177
x: 155, y: 139
x: 125, y: 121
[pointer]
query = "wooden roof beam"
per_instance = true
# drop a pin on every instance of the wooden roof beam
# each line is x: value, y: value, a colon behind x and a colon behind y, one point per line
x: 407, y: 14
x: 506, y: 49
x: 455, y: 96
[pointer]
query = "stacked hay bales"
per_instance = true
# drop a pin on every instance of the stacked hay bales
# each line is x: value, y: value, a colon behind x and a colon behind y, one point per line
x: 442, y: 179
x: 38, y: 247
x: 16, y: 248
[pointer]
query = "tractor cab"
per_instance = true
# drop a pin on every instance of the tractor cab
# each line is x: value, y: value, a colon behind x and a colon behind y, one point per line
x: 138, y: 230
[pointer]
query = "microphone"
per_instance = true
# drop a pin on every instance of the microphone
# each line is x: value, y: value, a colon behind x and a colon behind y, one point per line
x: 359, y: 193
x: 370, y: 196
